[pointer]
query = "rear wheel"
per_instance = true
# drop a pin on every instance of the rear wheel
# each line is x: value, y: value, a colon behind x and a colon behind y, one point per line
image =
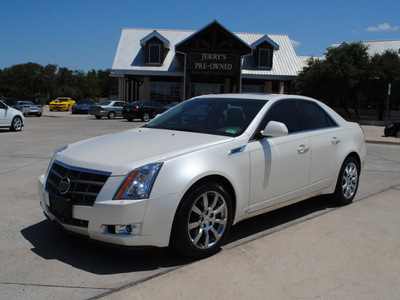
x: 202, y: 221
x: 347, y: 183
x: 16, y: 124
x: 111, y: 115
x: 98, y: 117
x: 145, y: 117
x: 398, y: 134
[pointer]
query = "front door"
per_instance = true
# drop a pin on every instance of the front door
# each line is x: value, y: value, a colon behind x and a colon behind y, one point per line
x: 280, y: 166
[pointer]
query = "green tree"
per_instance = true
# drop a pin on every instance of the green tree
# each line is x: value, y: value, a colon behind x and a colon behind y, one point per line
x: 338, y: 78
x: 384, y: 69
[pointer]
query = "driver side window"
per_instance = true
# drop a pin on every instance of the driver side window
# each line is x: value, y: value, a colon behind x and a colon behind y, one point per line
x: 285, y: 112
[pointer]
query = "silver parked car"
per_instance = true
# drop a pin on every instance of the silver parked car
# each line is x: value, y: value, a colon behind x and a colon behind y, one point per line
x: 29, y: 108
x: 109, y: 108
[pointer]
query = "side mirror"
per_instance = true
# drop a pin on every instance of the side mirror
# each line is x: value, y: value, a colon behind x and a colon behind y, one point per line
x: 275, y: 129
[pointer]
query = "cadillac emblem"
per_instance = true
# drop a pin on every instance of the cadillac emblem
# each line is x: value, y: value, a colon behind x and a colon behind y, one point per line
x: 64, y: 185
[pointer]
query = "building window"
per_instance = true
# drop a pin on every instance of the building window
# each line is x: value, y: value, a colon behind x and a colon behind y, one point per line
x: 165, y: 91
x: 264, y: 58
x: 206, y: 88
x: 252, y: 88
x: 154, y: 54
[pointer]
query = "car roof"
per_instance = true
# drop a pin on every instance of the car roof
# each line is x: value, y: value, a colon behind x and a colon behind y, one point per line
x: 264, y: 97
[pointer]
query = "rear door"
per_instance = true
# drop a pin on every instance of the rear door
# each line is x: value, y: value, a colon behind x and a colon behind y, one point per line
x: 325, y: 138
x: 3, y: 115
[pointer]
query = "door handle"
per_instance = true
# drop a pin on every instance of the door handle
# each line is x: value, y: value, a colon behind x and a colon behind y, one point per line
x: 303, y: 149
x: 335, y: 140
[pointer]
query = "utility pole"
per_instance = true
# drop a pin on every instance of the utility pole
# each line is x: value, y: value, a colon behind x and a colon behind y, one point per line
x: 387, y: 101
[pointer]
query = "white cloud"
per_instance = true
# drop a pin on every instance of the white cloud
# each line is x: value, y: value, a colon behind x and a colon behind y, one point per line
x: 383, y: 27
x: 295, y: 43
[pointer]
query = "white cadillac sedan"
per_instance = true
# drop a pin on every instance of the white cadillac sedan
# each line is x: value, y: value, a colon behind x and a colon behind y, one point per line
x: 186, y: 177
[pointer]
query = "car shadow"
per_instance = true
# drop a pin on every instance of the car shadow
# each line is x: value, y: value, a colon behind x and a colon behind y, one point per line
x: 51, y: 242
x: 263, y: 224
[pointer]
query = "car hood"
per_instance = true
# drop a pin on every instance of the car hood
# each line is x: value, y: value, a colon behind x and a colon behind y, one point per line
x: 122, y: 152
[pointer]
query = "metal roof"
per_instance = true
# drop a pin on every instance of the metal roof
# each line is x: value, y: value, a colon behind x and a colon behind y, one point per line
x: 130, y: 58
x: 377, y: 47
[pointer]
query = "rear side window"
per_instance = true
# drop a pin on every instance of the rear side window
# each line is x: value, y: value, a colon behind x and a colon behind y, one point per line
x: 315, y: 117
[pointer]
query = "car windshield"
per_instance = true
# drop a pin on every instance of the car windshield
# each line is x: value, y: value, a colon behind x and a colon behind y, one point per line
x: 27, y: 103
x: 220, y: 116
x: 82, y: 102
x: 137, y: 103
x: 61, y: 100
x: 105, y: 102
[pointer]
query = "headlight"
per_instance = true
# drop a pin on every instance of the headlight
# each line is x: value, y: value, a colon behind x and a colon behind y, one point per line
x: 139, y: 182
x: 58, y: 151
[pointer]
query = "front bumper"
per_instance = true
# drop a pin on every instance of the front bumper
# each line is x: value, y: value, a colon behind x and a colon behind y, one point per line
x: 145, y: 222
x: 58, y: 107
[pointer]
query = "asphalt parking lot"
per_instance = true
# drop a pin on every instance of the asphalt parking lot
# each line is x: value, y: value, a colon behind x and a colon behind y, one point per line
x: 309, y: 250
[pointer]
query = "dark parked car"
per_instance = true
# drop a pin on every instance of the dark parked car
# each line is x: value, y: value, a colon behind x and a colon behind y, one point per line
x: 82, y: 106
x: 168, y: 106
x: 144, y: 110
x: 28, y: 108
x: 10, y: 101
x: 393, y: 129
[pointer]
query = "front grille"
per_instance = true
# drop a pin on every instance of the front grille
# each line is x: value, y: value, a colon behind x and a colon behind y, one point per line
x: 83, y: 184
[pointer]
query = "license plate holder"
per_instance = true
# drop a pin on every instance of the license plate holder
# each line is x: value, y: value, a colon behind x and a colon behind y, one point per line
x: 61, y: 208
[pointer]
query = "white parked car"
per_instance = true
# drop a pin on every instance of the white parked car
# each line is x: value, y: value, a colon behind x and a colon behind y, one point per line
x: 186, y: 177
x: 11, y: 117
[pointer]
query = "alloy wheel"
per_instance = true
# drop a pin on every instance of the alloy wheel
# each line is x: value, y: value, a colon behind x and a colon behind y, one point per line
x: 207, y: 220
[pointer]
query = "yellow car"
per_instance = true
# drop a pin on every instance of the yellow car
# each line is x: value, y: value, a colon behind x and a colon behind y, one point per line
x: 61, y: 103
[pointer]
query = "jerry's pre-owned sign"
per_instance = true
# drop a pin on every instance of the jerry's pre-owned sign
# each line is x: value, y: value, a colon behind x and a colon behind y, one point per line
x: 213, y: 61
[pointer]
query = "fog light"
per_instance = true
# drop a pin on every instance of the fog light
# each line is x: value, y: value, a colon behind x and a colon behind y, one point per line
x: 130, y: 229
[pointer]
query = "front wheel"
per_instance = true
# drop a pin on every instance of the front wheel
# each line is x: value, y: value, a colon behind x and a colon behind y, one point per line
x: 398, y: 134
x: 202, y: 221
x: 347, y: 183
x: 16, y: 124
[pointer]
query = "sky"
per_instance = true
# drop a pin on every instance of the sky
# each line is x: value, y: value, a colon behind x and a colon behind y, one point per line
x: 84, y: 34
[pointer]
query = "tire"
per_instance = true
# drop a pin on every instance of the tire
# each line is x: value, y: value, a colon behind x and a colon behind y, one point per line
x: 16, y: 124
x: 111, y: 115
x: 348, y: 181
x: 398, y: 134
x: 129, y: 119
x: 98, y: 117
x: 68, y: 107
x: 38, y: 115
x: 202, y: 221
x: 145, y: 117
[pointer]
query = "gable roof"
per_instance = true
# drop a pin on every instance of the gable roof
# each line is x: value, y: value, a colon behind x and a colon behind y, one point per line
x: 214, y: 26
x: 130, y: 57
x: 265, y: 38
x: 154, y: 33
